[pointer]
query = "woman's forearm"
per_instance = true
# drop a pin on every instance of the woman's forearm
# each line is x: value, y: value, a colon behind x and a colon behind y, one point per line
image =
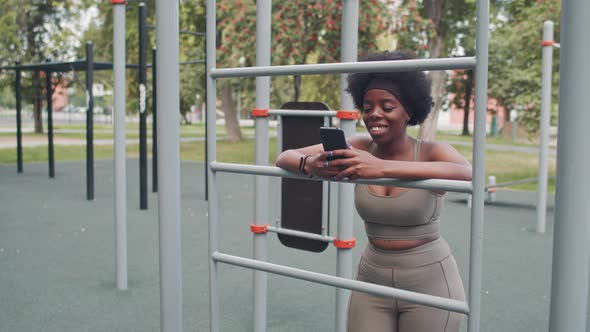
x: 426, y: 170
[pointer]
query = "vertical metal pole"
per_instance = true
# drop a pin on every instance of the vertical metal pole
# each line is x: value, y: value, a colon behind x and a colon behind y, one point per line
x: 479, y: 141
x: 169, y: 167
x: 492, y: 188
x: 89, y: 123
x: 571, y: 252
x: 143, y: 203
x: 119, y: 95
x: 154, y: 123
x: 50, y: 150
x: 544, y: 125
x: 211, y: 154
x: 349, y: 41
x: 19, y: 122
x: 261, y: 188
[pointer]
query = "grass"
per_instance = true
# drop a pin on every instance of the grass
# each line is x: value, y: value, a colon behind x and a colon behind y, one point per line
x: 506, y: 166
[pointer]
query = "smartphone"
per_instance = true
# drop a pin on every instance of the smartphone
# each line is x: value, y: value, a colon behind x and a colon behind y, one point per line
x: 332, y: 139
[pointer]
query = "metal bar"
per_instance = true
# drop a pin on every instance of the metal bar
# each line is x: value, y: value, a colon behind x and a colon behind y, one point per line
x: 89, y: 122
x: 325, y: 196
x: 154, y: 124
x: 301, y: 234
x: 479, y: 141
x: 432, y: 184
x: 304, y: 113
x: 194, y: 33
x: 19, y: 122
x: 119, y: 101
x: 211, y: 179
x: 569, y: 282
x: 345, y: 232
x: 50, y: 149
x: 349, y: 42
x: 261, y: 184
x: 169, y: 211
x: 546, y: 78
x: 193, y: 62
x: 365, y: 287
x: 350, y: 67
x: 143, y: 199
x: 511, y: 183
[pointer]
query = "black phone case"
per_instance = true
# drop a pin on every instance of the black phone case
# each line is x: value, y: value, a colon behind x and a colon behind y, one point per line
x: 332, y: 139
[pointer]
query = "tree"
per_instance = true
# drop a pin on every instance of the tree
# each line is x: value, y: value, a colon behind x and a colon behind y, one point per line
x: 302, y: 32
x: 516, y: 58
x: 33, y: 32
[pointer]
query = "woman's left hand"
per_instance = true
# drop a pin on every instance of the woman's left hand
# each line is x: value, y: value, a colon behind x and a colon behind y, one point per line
x: 357, y: 164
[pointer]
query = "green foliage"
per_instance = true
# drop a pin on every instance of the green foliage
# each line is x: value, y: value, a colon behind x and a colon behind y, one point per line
x: 516, y: 58
x: 302, y: 32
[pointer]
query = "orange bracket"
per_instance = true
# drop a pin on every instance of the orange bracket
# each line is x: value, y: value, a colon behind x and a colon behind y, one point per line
x: 349, y: 115
x: 345, y: 244
x: 259, y: 229
x: 260, y: 112
x: 492, y: 189
x: 547, y: 43
x: 118, y: 2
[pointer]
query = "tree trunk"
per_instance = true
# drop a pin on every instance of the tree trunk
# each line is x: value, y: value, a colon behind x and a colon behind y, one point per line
x: 297, y: 86
x: 37, y: 103
x: 467, y: 103
x: 232, y: 126
x: 434, y: 9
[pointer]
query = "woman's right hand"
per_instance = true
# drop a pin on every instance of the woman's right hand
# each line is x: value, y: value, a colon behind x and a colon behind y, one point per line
x: 319, y: 165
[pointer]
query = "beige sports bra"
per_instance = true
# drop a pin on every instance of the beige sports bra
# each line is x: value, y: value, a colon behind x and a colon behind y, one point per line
x: 413, y: 214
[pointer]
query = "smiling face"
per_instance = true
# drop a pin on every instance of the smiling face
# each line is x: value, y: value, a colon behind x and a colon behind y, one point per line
x: 384, y: 116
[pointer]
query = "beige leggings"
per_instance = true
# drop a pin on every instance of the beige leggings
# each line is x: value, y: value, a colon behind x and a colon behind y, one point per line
x: 429, y: 269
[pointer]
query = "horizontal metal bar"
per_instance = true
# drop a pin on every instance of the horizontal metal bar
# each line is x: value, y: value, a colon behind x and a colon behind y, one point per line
x: 429, y: 184
x: 194, y: 33
x: 348, y: 67
x: 301, y: 113
x: 515, y: 182
x: 360, y: 286
x: 305, y: 235
x: 192, y: 62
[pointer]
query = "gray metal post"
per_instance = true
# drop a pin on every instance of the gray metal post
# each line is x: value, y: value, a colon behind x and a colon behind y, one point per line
x: 479, y: 141
x: 169, y: 167
x: 154, y: 122
x: 211, y: 153
x: 120, y: 187
x: 571, y: 252
x: 349, y: 42
x: 345, y: 232
x: 544, y: 125
x: 261, y: 188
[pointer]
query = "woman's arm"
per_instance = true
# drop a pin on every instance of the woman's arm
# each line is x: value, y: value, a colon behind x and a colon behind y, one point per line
x: 316, y: 158
x: 442, y: 161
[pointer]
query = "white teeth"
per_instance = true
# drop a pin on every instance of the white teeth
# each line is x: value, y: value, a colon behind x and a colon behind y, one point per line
x: 376, y: 128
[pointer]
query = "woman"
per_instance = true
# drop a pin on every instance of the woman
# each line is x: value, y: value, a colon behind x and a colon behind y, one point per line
x: 405, y: 249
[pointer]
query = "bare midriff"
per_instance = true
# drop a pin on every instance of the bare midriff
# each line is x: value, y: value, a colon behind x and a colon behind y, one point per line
x: 386, y: 244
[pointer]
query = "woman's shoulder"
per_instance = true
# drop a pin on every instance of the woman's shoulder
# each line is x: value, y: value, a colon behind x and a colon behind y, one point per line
x: 433, y: 150
x: 361, y: 142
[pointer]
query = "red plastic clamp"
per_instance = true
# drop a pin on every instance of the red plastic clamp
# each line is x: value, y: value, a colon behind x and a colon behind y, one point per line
x: 345, y: 244
x: 349, y: 115
x: 118, y: 2
x: 547, y: 43
x: 260, y: 112
x: 259, y: 229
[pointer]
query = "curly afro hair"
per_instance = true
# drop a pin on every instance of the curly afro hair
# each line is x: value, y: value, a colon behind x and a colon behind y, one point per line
x: 414, y: 86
